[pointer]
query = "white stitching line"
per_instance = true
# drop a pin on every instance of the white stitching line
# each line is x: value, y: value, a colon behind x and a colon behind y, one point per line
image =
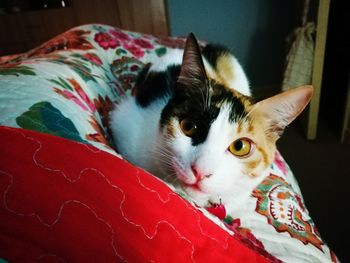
x: 152, y: 236
x: 123, y: 200
x: 108, y: 181
x: 59, y: 213
x: 189, y: 206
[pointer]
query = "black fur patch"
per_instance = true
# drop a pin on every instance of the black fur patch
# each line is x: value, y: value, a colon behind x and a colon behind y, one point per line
x: 189, y: 93
x: 213, y: 51
x: 151, y: 86
x: 188, y: 102
x: 223, y: 95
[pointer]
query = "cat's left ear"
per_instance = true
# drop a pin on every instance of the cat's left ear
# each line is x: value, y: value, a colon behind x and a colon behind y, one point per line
x: 280, y: 110
x: 192, y: 68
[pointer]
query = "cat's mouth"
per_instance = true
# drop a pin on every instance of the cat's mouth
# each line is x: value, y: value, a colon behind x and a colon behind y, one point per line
x: 186, y: 178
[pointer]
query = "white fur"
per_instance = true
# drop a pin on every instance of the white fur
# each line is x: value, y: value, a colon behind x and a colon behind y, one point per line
x: 228, y: 183
x: 173, y: 57
x: 135, y: 130
x: 138, y: 137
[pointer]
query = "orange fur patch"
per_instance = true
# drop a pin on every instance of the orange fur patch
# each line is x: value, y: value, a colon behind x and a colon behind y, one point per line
x: 265, y: 156
x: 253, y: 164
x: 239, y: 127
x: 250, y: 127
x: 224, y: 69
x: 170, y: 129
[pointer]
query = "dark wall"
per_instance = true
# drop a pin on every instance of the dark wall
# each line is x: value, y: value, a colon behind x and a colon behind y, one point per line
x: 255, y: 30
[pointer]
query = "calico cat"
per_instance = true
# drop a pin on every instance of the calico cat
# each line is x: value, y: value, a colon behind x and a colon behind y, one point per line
x: 192, y: 122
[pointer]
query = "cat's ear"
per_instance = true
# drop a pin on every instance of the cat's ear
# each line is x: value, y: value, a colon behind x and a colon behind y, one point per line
x: 280, y: 110
x: 192, y: 68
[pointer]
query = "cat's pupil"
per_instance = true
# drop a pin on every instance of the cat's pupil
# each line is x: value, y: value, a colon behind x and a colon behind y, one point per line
x: 238, y: 145
x: 189, y: 126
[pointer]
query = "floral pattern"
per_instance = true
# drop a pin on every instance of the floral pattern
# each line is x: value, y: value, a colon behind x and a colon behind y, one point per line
x: 44, y: 117
x: 126, y: 70
x: 80, y: 97
x: 67, y: 87
x: 285, y: 210
x: 114, y: 38
x: 16, y: 69
x: 71, y: 40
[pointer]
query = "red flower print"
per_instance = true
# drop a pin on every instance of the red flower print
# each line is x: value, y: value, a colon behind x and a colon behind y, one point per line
x: 135, y: 50
x: 143, y: 43
x: 119, y: 35
x: 217, y: 210
x: 93, y: 58
x: 70, y: 96
x: 279, y: 162
x: 74, y: 39
x: 82, y: 95
x: 134, y: 68
x: 106, y: 41
x: 11, y: 64
x: 103, y: 106
x: 99, y: 135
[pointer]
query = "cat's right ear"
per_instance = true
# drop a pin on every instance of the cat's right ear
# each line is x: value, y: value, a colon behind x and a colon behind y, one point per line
x: 280, y: 110
x: 192, y: 68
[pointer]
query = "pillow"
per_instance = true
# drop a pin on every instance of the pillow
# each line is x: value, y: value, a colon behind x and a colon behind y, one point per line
x: 67, y: 201
x: 67, y: 86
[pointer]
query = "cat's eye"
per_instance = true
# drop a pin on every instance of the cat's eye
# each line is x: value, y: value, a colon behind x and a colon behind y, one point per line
x: 188, y: 127
x: 241, y: 147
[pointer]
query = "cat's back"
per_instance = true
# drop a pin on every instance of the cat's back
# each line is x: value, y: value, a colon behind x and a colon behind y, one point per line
x: 220, y: 64
x: 223, y: 66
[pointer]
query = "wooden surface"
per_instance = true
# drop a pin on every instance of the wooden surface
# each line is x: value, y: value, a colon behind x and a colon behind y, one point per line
x: 144, y: 16
x: 95, y: 11
x: 320, y: 44
x: 22, y: 31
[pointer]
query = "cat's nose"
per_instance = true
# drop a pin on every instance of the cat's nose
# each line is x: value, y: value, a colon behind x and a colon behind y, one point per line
x: 198, y: 173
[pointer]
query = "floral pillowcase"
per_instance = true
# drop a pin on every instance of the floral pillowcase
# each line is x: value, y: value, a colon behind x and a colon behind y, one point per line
x: 67, y: 86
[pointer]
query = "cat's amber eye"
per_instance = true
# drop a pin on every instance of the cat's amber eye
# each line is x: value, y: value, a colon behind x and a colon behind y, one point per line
x: 188, y: 127
x: 241, y: 147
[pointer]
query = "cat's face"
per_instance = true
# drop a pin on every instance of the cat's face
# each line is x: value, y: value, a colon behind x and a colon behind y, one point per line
x: 219, y: 156
x: 217, y: 142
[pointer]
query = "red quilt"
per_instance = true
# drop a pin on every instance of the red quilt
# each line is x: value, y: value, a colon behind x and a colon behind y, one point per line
x: 67, y: 201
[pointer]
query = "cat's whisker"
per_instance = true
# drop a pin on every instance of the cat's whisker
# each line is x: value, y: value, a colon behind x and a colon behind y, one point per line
x: 208, y: 101
x: 170, y: 176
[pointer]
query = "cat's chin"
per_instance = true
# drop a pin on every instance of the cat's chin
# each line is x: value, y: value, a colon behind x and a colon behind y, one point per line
x: 200, y: 198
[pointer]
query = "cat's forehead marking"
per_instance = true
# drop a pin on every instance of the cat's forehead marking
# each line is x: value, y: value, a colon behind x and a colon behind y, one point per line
x: 250, y: 126
x: 245, y: 125
x: 239, y: 127
x: 221, y: 95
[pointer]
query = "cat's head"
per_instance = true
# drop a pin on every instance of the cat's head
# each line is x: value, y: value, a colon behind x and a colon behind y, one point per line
x: 218, y: 142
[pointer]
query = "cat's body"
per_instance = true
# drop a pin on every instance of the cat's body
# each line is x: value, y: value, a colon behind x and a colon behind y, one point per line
x: 192, y: 123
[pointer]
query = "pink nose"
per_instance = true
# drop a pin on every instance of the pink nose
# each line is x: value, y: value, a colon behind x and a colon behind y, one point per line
x: 197, y: 173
